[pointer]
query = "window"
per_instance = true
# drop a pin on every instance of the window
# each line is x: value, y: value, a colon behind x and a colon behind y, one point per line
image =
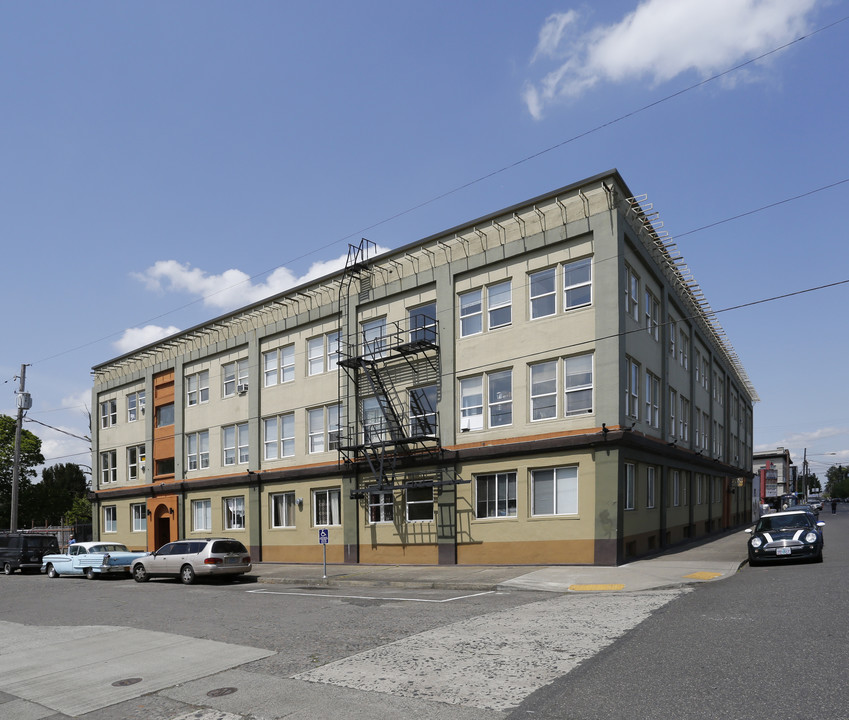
x: 235, y: 444
x: 706, y: 373
x: 270, y: 368
x: 135, y: 405
x: 697, y: 366
x: 279, y: 365
x: 471, y: 313
x: 283, y: 510
x: 315, y: 356
x: 326, y: 507
x: 630, y: 486
x: 544, y: 391
x: 139, y: 517
x: 632, y: 391
x: 135, y: 461
x: 673, y: 408
x: 323, y: 428
x: 374, y: 338
x: 542, y: 293
x: 279, y: 436
x: 499, y: 305
x: 676, y: 488
x: 323, y: 351
x: 578, y: 381
x: 375, y: 429
x: 471, y: 403
x: 110, y: 519
x: 577, y: 283
x: 496, y: 495
x: 108, y: 467
x: 684, y: 350
x: 423, y: 411
x: 108, y: 413
x: 380, y: 507
x: 234, y: 375
x: 197, y: 388
x: 652, y: 315
x: 632, y: 294
x: 201, y: 515
x: 165, y: 415
x: 652, y: 400
x: 673, y: 332
x: 650, y: 480
x: 555, y: 491
x: 684, y: 420
x: 697, y: 435
x: 705, y: 430
x: 197, y: 450
x: 234, y: 513
x: 500, y: 398
x: 165, y: 466
x: 423, y: 323
x: 419, y: 504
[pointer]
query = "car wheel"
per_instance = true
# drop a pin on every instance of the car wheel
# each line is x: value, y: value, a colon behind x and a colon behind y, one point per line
x: 140, y: 574
x: 89, y: 574
x: 818, y: 557
x: 51, y: 571
x: 187, y: 575
x: 8, y: 569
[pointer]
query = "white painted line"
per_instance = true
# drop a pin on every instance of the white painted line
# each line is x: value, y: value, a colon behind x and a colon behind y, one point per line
x: 370, y: 597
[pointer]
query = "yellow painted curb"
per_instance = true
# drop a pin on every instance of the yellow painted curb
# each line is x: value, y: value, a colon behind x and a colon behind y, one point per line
x: 594, y: 588
x: 703, y: 575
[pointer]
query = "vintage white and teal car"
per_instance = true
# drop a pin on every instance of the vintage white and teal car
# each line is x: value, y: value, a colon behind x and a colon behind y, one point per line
x: 92, y: 559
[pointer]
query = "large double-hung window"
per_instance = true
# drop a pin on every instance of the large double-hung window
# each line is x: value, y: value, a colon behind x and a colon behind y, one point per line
x: 555, y: 491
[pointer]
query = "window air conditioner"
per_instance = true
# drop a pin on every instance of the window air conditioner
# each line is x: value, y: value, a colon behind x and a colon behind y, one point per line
x: 242, y: 388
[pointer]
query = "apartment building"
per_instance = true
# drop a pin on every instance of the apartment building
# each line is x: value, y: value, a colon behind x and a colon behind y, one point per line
x: 545, y: 384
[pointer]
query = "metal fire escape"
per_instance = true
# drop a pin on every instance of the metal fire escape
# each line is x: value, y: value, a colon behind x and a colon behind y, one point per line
x: 388, y: 423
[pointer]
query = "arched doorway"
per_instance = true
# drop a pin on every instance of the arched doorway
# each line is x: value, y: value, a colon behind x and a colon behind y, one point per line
x: 162, y: 519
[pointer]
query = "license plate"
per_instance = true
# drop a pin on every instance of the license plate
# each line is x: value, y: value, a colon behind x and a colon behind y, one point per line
x: 231, y: 561
x: 782, y: 551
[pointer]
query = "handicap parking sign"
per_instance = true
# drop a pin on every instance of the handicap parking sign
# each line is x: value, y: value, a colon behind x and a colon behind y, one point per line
x: 323, y: 536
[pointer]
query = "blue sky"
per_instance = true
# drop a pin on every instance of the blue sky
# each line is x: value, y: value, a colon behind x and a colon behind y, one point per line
x: 163, y: 163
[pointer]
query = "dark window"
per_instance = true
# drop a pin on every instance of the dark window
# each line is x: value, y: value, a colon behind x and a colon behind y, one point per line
x: 228, y: 546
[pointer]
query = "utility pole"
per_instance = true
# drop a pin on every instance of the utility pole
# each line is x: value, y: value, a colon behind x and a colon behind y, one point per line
x: 24, y: 402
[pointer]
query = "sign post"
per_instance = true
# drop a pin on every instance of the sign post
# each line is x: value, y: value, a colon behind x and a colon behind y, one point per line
x: 324, y: 538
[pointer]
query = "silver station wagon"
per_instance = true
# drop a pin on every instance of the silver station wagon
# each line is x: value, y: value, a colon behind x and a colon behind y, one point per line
x: 189, y: 559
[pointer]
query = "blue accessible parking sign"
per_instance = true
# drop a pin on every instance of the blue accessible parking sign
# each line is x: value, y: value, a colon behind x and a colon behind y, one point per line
x: 324, y: 536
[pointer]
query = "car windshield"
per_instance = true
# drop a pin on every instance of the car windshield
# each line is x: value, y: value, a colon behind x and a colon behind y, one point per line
x: 228, y: 546
x: 783, y: 522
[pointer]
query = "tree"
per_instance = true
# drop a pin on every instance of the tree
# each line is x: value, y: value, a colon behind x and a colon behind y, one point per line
x: 30, y: 459
x: 80, y: 512
x: 49, y: 501
x: 838, y: 482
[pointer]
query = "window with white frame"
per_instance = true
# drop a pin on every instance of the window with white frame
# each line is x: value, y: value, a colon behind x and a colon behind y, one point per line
x: 283, y: 510
x: 323, y: 428
x: 705, y: 430
x: 374, y: 338
x: 471, y: 403
x: 554, y: 491
x: 135, y: 461
x: 706, y: 373
x: 234, y: 377
x: 543, y: 391
x: 197, y: 388
x: 496, y: 495
x: 543, y: 293
x: 697, y: 366
x: 672, y: 329
x: 419, y: 502
x: 652, y: 414
x: 278, y: 435
x: 110, y: 518
x: 684, y: 350
x: 499, y: 305
x: 630, y: 486
x: 632, y: 294
x: 673, y: 408
x: 471, y: 313
x: 197, y: 450
x: 138, y: 514
x: 235, y: 444
x: 234, y: 513
x: 700, y: 489
x: 375, y: 428
x: 201, y: 515
x: 577, y: 284
x: 135, y: 405
x: 684, y: 420
x: 650, y: 486
x: 423, y: 323
x: 315, y: 355
x: 423, y: 410
x: 278, y: 366
x: 108, y: 467
x: 323, y: 351
x: 676, y: 488
x: 380, y: 507
x: 326, y: 508
x: 108, y: 413
x: 578, y: 384
x: 697, y: 434
x: 500, y: 398
x: 652, y: 311
x: 632, y: 390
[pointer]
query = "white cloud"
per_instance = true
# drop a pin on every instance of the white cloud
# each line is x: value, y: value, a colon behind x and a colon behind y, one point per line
x: 658, y: 41
x: 138, y: 337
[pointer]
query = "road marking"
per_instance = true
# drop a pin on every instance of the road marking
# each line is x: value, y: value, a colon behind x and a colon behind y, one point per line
x: 703, y: 575
x: 370, y: 597
x: 595, y: 588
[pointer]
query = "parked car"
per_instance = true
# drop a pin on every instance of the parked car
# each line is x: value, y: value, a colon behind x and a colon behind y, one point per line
x: 785, y: 536
x: 808, y: 507
x: 24, y: 551
x: 188, y: 559
x: 92, y: 559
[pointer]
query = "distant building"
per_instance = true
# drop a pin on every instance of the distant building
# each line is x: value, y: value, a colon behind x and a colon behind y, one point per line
x: 775, y: 473
x: 545, y: 384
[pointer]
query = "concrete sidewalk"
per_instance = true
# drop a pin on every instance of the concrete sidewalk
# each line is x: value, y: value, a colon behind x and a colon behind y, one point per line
x: 695, y: 562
